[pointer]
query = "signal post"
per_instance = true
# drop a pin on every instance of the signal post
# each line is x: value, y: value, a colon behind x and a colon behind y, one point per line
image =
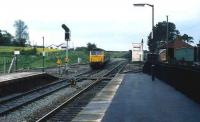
x: 67, y: 38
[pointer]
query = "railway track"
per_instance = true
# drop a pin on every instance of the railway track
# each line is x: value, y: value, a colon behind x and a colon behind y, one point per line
x: 69, y: 108
x: 12, y: 103
x: 69, y: 111
x: 18, y: 102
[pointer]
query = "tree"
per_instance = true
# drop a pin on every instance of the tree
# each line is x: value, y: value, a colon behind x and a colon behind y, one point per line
x: 21, y: 33
x: 152, y: 44
x: 81, y: 48
x: 160, y: 33
x: 187, y: 38
x: 5, y: 38
x: 128, y: 55
x: 91, y: 46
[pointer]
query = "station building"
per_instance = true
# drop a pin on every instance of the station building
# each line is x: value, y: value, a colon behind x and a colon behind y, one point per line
x: 137, y: 51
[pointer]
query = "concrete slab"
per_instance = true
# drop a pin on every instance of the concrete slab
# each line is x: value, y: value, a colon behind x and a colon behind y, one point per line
x: 15, y: 83
x: 12, y: 76
x: 95, y: 110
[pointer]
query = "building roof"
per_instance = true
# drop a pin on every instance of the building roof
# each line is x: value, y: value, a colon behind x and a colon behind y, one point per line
x: 178, y: 43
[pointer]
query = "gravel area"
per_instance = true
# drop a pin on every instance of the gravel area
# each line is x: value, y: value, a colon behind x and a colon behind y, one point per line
x: 36, y: 109
x: 73, y: 70
x: 133, y: 67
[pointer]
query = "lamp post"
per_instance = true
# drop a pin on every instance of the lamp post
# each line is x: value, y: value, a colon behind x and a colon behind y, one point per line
x: 167, y: 39
x: 152, y: 6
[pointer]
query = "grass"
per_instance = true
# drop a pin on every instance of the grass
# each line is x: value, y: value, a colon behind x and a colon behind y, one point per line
x: 26, y: 60
x: 117, y: 54
x: 11, y: 49
x: 40, y: 50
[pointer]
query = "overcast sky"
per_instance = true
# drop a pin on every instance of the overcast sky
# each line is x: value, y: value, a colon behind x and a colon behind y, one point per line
x: 110, y: 24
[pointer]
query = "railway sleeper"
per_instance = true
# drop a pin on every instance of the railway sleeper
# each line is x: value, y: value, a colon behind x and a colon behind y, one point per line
x: 73, y: 81
x: 95, y: 78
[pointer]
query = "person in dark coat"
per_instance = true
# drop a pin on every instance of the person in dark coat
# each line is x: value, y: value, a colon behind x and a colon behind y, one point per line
x: 153, y: 72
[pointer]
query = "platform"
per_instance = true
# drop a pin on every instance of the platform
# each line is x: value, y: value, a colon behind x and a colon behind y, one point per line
x: 135, y: 98
x: 15, y: 83
x: 13, y: 76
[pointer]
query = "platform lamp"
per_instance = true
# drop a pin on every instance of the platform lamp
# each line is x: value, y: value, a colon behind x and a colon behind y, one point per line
x: 152, y: 6
x: 67, y: 38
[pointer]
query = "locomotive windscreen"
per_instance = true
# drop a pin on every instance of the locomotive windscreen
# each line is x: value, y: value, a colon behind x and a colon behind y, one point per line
x: 96, y: 53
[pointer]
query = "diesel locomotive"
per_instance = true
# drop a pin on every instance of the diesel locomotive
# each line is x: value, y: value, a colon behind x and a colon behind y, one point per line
x: 98, y: 58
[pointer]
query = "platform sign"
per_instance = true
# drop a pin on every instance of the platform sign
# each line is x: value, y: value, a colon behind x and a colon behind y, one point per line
x: 58, y: 62
x: 16, y: 52
x: 43, y: 53
x: 66, y: 59
x: 137, y: 51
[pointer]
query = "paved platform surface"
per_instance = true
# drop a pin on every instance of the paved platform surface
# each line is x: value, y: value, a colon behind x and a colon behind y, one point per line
x: 95, y: 110
x: 13, y: 76
x: 138, y: 99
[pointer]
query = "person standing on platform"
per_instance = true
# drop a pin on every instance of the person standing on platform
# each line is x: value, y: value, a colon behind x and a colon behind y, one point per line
x: 153, y: 72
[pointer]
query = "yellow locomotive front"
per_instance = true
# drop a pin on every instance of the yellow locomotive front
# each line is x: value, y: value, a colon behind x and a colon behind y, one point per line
x: 97, y: 58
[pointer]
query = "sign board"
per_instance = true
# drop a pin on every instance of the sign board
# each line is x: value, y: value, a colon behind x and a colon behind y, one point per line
x: 66, y: 59
x: 43, y: 53
x: 137, y: 46
x: 137, y: 51
x: 59, y: 62
x: 16, y: 52
x: 79, y: 60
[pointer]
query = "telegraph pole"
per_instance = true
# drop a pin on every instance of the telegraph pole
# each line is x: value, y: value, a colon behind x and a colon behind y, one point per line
x: 43, y: 54
x: 167, y: 31
x: 167, y: 39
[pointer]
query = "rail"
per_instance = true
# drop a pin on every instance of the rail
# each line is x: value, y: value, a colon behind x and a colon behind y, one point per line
x: 58, y: 108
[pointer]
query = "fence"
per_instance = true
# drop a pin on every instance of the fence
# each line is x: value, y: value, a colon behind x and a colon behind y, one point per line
x: 184, y: 79
x: 28, y: 61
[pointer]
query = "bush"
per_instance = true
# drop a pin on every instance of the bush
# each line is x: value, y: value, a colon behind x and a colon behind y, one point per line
x: 29, y: 52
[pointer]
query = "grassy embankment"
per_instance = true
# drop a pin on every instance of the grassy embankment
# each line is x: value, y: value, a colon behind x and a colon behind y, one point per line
x: 30, y: 59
